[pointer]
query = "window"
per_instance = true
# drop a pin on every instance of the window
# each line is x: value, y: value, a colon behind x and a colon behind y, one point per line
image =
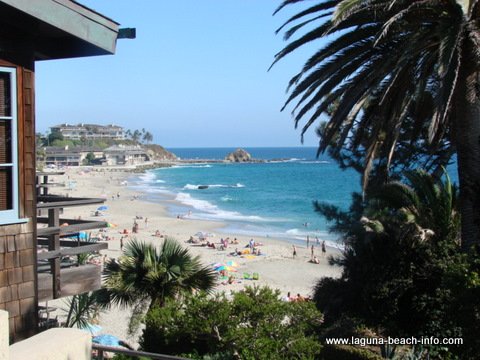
x: 8, y: 147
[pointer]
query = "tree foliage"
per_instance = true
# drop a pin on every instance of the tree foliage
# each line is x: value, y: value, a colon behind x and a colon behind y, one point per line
x: 148, y: 275
x: 403, y: 271
x: 253, y: 324
x: 398, y: 81
x: 82, y: 309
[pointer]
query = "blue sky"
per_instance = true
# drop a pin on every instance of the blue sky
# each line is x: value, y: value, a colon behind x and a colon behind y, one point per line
x: 195, y: 76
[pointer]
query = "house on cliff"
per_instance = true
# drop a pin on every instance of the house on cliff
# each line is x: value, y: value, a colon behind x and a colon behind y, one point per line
x: 32, y: 31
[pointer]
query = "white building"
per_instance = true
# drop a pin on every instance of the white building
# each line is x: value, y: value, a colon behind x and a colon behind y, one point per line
x: 125, y: 155
x: 89, y: 131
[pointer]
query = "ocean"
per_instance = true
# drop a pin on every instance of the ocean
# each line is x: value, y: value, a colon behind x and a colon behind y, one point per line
x: 267, y: 199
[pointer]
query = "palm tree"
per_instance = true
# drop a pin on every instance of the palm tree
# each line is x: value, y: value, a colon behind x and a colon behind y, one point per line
x: 145, y: 274
x: 136, y: 136
x: 430, y: 204
x: 147, y: 137
x: 398, y: 259
x: 387, y: 60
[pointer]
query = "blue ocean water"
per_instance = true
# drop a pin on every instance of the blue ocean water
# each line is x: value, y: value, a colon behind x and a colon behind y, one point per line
x: 268, y: 199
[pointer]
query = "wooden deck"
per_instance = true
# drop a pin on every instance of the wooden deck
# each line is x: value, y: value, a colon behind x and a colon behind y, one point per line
x: 73, y: 280
x: 57, y: 278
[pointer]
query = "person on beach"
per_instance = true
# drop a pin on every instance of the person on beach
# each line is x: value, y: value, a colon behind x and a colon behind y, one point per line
x: 313, y: 252
x: 146, y: 222
x: 308, y: 241
x: 287, y: 297
x: 324, y: 248
x: 121, y: 243
x: 317, y: 240
x: 294, y: 251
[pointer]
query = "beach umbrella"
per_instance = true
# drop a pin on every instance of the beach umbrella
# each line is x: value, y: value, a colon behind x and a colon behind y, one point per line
x: 226, y: 268
x: 92, y: 328
x: 232, y: 263
x: 102, y: 208
x: 106, y: 340
x: 111, y: 225
x: 216, y: 265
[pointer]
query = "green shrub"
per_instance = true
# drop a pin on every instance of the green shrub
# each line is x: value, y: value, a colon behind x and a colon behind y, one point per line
x: 254, y: 324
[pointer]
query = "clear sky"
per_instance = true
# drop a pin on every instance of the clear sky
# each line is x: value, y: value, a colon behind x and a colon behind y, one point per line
x: 195, y: 76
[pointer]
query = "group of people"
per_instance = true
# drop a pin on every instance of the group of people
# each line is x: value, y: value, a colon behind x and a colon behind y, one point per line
x: 313, y: 257
x: 225, y: 243
x: 298, y: 298
x: 135, y: 226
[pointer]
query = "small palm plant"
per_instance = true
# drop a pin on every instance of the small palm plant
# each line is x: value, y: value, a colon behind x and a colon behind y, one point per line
x: 82, y: 310
x: 146, y: 274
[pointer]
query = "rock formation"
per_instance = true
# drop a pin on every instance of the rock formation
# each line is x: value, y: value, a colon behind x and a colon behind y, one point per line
x: 158, y: 153
x: 238, y: 155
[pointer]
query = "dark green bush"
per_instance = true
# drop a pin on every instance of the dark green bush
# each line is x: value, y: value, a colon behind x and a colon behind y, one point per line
x: 254, y: 324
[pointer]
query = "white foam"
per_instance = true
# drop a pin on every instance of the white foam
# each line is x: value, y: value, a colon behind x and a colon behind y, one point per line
x: 147, y: 177
x: 151, y: 189
x: 315, y: 162
x: 189, y: 166
x: 210, y: 211
x: 196, y: 186
x: 202, y: 205
x: 286, y: 160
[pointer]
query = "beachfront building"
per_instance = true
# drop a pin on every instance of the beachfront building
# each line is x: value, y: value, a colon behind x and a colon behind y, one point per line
x: 89, y: 132
x: 125, y: 155
x: 60, y: 156
x: 33, y: 31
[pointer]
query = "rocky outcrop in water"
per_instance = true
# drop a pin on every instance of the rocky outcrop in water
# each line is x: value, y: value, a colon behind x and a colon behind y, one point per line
x: 238, y: 155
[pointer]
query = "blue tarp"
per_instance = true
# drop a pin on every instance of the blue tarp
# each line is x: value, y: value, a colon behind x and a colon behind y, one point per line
x: 107, y: 340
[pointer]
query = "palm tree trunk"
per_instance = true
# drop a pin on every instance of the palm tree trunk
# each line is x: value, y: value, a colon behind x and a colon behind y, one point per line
x: 467, y: 138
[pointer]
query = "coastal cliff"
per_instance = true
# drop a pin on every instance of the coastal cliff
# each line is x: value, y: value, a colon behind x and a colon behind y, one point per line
x: 159, y: 153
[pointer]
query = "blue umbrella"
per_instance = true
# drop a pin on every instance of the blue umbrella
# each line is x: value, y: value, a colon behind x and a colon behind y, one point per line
x: 106, y: 340
x: 102, y: 208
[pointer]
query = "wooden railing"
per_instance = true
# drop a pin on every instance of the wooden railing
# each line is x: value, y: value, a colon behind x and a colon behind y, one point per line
x: 65, y: 241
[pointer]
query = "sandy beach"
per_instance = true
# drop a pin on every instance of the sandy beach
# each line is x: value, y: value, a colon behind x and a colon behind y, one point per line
x: 276, y: 267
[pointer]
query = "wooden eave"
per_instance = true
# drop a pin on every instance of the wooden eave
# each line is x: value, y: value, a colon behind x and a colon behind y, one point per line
x: 55, y: 29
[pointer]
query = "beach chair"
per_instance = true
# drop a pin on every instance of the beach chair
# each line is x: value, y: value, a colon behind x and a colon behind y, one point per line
x: 246, y: 276
x: 256, y: 276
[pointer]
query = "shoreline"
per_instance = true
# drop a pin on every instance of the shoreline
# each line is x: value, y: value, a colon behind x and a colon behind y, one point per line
x: 126, y: 204
x: 239, y: 223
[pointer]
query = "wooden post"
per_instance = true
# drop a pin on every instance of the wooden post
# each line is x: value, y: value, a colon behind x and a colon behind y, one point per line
x: 54, y: 244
